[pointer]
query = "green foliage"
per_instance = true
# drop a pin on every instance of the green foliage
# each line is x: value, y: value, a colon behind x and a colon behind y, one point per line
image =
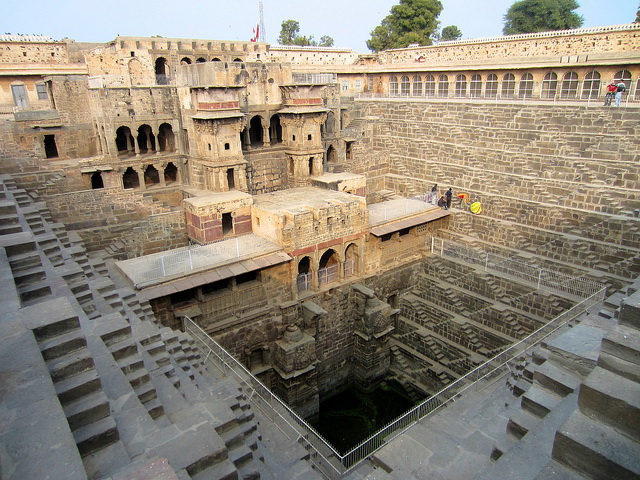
x: 637, y: 16
x: 528, y: 16
x: 289, y: 35
x: 411, y: 21
x: 326, y: 41
x: 289, y: 30
x: 452, y: 32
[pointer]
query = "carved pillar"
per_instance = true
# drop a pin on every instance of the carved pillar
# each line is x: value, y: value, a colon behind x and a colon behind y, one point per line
x: 160, y: 168
x: 140, y: 172
x: 266, y: 142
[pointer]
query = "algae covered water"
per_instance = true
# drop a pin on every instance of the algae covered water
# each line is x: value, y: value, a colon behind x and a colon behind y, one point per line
x: 350, y: 417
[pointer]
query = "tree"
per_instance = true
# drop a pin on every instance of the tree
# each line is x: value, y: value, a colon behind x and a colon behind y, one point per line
x: 411, y: 21
x: 326, y: 41
x: 637, y: 16
x: 452, y: 32
x: 289, y: 30
x: 528, y: 16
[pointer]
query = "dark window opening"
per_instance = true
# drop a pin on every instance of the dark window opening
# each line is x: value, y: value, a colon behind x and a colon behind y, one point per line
x: 304, y: 266
x: 275, y: 130
x: 227, y: 146
x: 293, y: 137
x: 348, y: 150
x: 255, y: 131
x: 50, y: 148
x: 308, y: 137
x: 231, y: 182
x: 133, y: 54
x: 227, y: 224
x: 404, y: 231
x: 247, y: 277
x: 96, y: 180
x: 130, y: 178
x: 170, y: 173
x: 184, y: 296
x: 215, y: 286
x: 386, y: 237
x: 151, y: 175
x: 311, y: 166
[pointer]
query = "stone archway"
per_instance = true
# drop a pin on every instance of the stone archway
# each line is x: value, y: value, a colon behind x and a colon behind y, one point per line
x: 255, y: 132
x: 130, y: 178
x: 328, y: 267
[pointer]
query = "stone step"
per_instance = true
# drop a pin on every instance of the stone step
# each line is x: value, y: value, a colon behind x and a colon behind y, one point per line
x: 124, y: 348
x: 61, y: 345
x: 224, y: 470
x: 620, y: 352
x: 73, y: 388
x: 612, y: 399
x: 154, y: 407
x: 87, y: 410
x: 96, y: 436
x: 30, y: 275
x: 34, y: 291
x: 556, y: 379
x: 521, y: 423
x: 539, y: 401
x: 72, y: 364
x: 596, y: 450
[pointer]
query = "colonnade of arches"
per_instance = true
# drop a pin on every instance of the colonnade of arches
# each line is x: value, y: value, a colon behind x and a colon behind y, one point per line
x: 330, y: 267
x: 149, y: 175
x: 144, y: 140
x: 570, y: 86
x: 258, y: 133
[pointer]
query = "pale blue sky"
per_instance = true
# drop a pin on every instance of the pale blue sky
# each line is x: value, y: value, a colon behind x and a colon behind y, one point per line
x: 348, y: 22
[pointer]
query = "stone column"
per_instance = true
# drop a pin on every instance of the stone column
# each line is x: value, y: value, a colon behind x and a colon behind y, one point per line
x: 140, y: 172
x: 247, y: 140
x: 160, y: 169
x: 266, y: 141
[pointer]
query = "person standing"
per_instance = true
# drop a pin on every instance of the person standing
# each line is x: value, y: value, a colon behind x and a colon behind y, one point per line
x: 434, y: 194
x: 449, y: 194
x: 620, y: 88
x: 611, y: 92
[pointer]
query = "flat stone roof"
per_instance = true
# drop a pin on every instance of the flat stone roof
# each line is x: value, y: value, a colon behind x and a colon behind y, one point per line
x: 230, y: 196
x: 184, y: 262
x: 393, y: 210
x: 337, y: 177
x: 301, y: 199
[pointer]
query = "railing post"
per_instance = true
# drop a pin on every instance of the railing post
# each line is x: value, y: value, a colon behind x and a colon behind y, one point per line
x: 162, y: 265
x: 190, y: 261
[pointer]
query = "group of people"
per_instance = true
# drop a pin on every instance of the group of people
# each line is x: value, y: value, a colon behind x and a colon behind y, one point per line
x: 436, y: 198
x: 614, y: 90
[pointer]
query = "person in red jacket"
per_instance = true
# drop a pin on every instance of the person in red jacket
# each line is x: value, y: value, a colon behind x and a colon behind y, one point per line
x: 611, y: 92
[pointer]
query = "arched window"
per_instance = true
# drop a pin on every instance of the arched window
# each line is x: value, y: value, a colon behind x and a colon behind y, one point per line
x: 185, y: 61
x: 201, y: 60
x: 508, y: 85
x: 443, y: 86
x: 475, y: 86
x: 351, y: 258
x: 491, y: 88
x: 393, y: 86
x: 96, y: 180
x: 417, y: 86
x: 623, y: 76
x: 549, y: 85
x: 328, y: 267
x: 569, y: 87
x: 637, y: 93
x: 162, y: 71
x: 429, y: 86
x: 146, y: 139
x: 461, y: 86
x: 332, y: 156
x: 215, y: 59
x: 591, y: 85
x: 525, y: 89
x: 304, y: 274
x: 405, y: 87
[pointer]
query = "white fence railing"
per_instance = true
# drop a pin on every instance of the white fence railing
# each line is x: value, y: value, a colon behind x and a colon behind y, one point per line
x: 542, y: 278
x: 335, y: 465
x: 328, y: 274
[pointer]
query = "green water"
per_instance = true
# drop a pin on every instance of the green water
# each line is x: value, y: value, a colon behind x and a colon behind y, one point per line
x: 351, y: 416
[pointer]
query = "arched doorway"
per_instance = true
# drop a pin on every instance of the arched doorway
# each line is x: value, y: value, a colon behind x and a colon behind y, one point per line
x: 130, y: 178
x: 166, y: 138
x: 146, y: 139
x: 185, y: 61
x: 275, y: 129
x: 328, y: 267
x: 255, y: 132
x: 332, y: 155
x: 124, y: 140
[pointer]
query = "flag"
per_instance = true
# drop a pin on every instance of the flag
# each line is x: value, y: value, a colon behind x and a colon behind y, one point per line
x: 256, y: 33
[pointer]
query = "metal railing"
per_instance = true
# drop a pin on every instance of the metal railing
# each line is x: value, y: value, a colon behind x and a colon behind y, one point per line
x: 540, y: 277
x: 328, y: 274
x: 335, y: 465
x: 304, y: 281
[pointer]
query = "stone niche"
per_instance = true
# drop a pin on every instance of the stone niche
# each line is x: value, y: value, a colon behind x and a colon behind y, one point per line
x: 217, y: 216
x: 294, y: 360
